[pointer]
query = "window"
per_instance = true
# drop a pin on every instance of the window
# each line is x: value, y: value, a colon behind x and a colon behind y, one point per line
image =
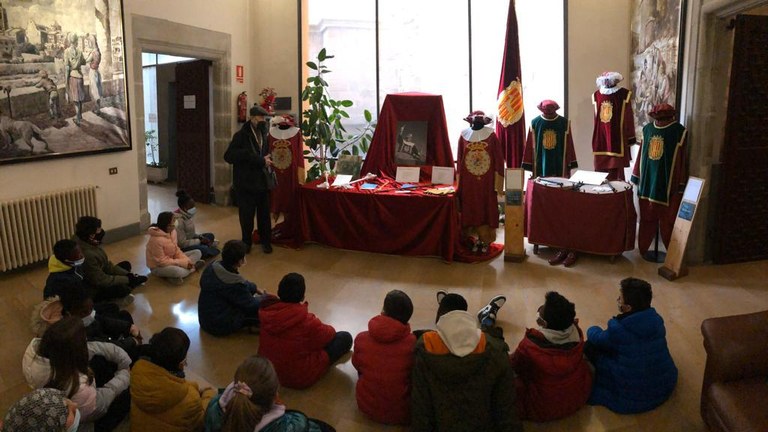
x: 424, y: 46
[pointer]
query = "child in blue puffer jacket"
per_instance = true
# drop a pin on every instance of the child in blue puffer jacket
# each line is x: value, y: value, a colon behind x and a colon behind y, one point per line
x: 634, y: 371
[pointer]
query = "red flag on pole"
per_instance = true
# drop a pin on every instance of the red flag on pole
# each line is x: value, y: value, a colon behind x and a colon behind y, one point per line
x: 510, y: 126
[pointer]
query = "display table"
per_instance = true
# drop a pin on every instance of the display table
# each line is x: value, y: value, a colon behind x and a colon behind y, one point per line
x: 384, y: 222
x: 597, y: 223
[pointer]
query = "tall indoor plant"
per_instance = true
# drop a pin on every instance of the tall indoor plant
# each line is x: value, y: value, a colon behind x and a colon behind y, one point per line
x: 157, y: 171
x: 321, y: 123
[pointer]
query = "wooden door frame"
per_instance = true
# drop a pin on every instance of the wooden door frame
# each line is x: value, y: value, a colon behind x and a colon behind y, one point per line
x: 707, y: 59
x: 166, y: 37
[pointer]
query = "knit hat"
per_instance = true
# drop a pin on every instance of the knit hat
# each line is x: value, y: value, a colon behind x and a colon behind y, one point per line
x: 662, y: 112
x: 42, y: 410
x: 548, y: 107
x: 257, y: 109
x: 609, y: 79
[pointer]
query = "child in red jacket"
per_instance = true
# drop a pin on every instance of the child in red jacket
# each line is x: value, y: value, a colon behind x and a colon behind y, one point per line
x: 383, y: 358
x: 553, y: 377
x: 297, y: 343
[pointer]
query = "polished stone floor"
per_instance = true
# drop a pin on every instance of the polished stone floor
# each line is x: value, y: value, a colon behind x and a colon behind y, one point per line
x: 346, y: 288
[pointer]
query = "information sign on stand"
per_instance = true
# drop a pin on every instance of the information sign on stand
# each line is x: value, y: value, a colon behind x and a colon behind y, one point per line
x: 674, y: 266
x: 514, y: 208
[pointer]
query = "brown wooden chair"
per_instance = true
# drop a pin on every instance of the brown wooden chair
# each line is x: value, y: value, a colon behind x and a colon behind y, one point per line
x: 734, y: 395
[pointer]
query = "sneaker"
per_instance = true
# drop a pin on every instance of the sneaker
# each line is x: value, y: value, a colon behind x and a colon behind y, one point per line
x: 199, y: 264
x: 267, y: 248
x: 490, y: 310
x: 440, y: 295
x: 484, y: 248
x: 176, y: 281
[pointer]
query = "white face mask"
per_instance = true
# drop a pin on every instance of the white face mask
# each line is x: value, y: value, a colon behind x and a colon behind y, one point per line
x: 76, y: 423
x: 89, y: 319
x: 192, y: 211
x: 77, y: 263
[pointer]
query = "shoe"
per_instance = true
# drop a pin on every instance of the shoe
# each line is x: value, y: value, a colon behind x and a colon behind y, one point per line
x: 491, y: 309
x: 199, y: 264
x: 440, y: 295
x: 247, y: 248
x: 176, y: 281
x: 484, y: 248
x: 559, y: 257
x: 570, y: 259
x: 267, y: 248
x: 141, y: 280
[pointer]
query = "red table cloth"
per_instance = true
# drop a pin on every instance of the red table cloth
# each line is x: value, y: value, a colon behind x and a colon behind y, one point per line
x: 601, y: 224
x: 384, y: 222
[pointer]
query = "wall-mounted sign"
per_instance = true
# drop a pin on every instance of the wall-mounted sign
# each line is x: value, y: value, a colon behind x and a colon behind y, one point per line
x: 189, y: 101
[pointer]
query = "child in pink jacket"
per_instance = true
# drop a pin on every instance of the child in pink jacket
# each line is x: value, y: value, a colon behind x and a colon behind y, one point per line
x: 164, y: 257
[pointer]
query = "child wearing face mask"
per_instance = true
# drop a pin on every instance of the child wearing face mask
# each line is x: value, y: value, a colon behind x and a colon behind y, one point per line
x: 553, y: 380
x: 634, y: 371
x: 64, y: 268
x: 228, y: 301
x: 186, y: 236
x: 105, y: 280
x: 164, y: 258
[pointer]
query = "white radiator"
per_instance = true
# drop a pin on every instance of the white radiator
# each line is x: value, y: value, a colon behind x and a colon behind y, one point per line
x: 30, y: 226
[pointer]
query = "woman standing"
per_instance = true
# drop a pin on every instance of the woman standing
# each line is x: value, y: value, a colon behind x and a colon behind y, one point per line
x: 94, y: 76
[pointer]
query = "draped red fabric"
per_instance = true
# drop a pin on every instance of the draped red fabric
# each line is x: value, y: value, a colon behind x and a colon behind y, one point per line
x: 601, y: 224
x: 512, y: 136
x: 380, y: 159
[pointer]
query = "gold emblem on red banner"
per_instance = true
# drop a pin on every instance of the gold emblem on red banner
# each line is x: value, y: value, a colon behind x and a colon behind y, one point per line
x: 478, y: 160
x: 511, y: 103
x: 656, y: 147
x: 281, y: 154
x: 606, y: 112
x: 549, y: 140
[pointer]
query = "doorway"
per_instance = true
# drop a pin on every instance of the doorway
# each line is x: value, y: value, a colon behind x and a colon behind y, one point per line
x: 176, y: 125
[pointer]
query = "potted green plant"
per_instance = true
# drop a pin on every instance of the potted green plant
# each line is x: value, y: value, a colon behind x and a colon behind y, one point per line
x: 321, y: 125
x: 157, y: 171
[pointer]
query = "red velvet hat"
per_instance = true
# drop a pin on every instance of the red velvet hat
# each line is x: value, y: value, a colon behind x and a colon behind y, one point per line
x: 662, y: 112
x: 548, y: 106
x: 475, y: 114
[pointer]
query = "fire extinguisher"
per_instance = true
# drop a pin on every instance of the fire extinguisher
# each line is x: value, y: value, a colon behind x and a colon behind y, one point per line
x: 242, y: 107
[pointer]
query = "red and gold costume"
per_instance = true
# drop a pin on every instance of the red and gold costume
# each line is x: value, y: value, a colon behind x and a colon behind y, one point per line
x: 481, y: 177
x: 614, y: 127
x: 285, y: 147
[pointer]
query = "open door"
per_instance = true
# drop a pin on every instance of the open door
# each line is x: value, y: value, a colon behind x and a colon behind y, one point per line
x: 193, y: 129
x: 742, y: 215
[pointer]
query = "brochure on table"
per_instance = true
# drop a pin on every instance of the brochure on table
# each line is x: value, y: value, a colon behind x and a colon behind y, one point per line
x: 407, y: 174
x: 589, y: 177
x: 442, y: 175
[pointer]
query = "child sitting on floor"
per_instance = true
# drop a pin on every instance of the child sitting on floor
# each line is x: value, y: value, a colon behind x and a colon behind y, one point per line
x: 161, y: 398
x: 553, y: 378
x: 164, y: 258
x: 297, y: 343
x: 462, y: 380
x: 251, y: 403
x: 383, y: 358
x: 634, y: 371
x: 187, y: 238
x: 228, y: 301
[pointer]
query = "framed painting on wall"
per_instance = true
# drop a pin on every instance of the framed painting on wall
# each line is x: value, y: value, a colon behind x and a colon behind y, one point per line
x: 62, y: 75
x: 657, y: 40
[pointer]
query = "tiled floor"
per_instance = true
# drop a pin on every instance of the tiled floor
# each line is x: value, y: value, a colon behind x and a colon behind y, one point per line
x: 346, y: 289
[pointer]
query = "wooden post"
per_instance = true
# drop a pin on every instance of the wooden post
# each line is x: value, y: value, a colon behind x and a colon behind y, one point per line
x: 674, y: 265
x: 514, y: 208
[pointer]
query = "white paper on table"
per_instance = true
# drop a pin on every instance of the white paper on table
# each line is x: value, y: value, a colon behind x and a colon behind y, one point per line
x: 588, y: 177
x: 693, y: 189
x: 408, y: 174
x: 342, y: 179
x: 442, y: 175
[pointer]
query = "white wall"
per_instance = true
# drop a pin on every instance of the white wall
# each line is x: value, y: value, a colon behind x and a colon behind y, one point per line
x: 598, y: 41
